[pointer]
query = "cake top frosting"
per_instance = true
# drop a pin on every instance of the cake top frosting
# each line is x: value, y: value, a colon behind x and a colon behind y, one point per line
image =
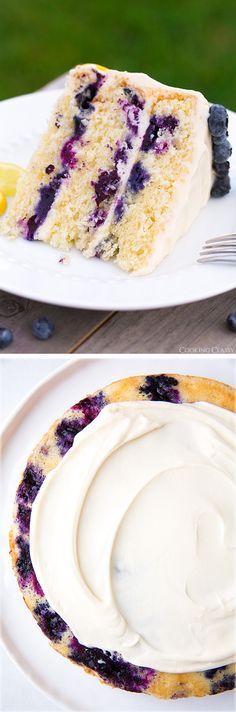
x: 144, y: 563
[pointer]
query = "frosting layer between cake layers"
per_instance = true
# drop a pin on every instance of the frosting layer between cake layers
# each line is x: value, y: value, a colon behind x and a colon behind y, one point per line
x: 133, y: 535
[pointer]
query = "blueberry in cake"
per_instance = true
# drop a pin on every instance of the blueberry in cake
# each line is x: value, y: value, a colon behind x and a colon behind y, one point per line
x: 123, y: 169
x: 157, y: 615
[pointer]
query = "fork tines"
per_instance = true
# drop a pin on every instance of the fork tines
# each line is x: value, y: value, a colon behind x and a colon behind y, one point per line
x: 219, y: 249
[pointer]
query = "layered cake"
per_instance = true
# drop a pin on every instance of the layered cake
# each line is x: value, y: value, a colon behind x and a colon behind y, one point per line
x: 123, y: 536
x: 123, y: 169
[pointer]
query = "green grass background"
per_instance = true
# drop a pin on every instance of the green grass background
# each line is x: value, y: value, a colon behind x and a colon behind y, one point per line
x: 190, y: 43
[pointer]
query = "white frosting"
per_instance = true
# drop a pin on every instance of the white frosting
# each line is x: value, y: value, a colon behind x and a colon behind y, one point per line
x: 192, y: 195
x: 133, y: 535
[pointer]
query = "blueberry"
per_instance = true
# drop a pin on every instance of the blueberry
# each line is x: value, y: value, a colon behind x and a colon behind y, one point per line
x: 108, y: 243
x: 219, y: 139
x: 23, y: 518
x: 138, y: 178
x: 150, y: 135
x: 119, y: 209
x: 222, y: 151
x: 50, y: 169
x: 58, y: 120
x: 68, y: 157
x: 88, y: 94
x: 231, y: 321
x: 227, y: 682
x: 98, y: 217
x: 157, y: 124
x: 91, y: 406
x: 221, y: 169
x: 217, y: 120
x: 68, y: 428
x: 161, y: 388
x: 30, y: 484
x: 106, y: 185
x: 209, y: 674
x: 6, y: 337
x: 111, y: 667
x: 23, y: 562
x: 220, y: 187
x: 42, y: 328
x: 66, y: 432
x: 121, y: 153
x: 79, y: 126
x: 47, y: 195
x: 50, y: 622
x: 133, y: 98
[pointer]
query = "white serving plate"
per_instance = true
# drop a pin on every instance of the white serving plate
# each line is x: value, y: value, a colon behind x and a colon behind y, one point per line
x: 32, y: 269
x: 59, y: 679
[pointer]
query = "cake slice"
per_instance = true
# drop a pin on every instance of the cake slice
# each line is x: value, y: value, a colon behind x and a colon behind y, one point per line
x: 121, y: 172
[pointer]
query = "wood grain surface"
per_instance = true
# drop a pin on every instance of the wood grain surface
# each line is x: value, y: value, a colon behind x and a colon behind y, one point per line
x: 192, y: 328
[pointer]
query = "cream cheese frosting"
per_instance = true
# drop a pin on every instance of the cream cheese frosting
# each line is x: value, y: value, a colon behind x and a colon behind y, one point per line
x: 133, y: 535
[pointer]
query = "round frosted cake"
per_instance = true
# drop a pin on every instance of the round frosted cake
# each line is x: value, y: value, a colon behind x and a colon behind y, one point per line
x: 121, y: 540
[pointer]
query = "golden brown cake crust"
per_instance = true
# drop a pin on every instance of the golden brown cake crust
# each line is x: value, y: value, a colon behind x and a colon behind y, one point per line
x: 45, y: 456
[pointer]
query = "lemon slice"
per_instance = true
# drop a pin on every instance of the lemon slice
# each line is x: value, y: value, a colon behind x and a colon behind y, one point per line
x: 9, y: 174
x: 3, y: 203
x: 100, y: 66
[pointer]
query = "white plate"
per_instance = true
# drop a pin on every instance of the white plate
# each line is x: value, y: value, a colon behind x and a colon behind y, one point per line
x: 65, y: 683
x: 32, y: 269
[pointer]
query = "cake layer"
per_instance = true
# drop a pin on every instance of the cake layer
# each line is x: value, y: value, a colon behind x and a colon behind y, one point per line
x: 58, y: 154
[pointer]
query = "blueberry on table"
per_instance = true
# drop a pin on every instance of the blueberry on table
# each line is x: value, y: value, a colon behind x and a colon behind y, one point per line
x: 231, y: 321
x: 42, y: 328
x: 6, y: 337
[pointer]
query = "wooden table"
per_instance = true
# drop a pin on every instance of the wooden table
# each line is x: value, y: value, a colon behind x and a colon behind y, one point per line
x: 192, y: 328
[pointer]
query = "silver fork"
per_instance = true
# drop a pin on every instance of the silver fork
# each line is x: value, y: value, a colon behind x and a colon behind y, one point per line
x: 219, y: 249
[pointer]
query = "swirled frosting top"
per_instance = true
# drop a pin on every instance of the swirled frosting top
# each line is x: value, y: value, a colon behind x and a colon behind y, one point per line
x: 133, y: 535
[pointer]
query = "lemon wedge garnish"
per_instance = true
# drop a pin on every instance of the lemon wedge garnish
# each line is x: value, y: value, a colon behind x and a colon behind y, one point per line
x: 9, y: 174
x: 3, y: 203
x: 98, y: 66
x: 103, y: 69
